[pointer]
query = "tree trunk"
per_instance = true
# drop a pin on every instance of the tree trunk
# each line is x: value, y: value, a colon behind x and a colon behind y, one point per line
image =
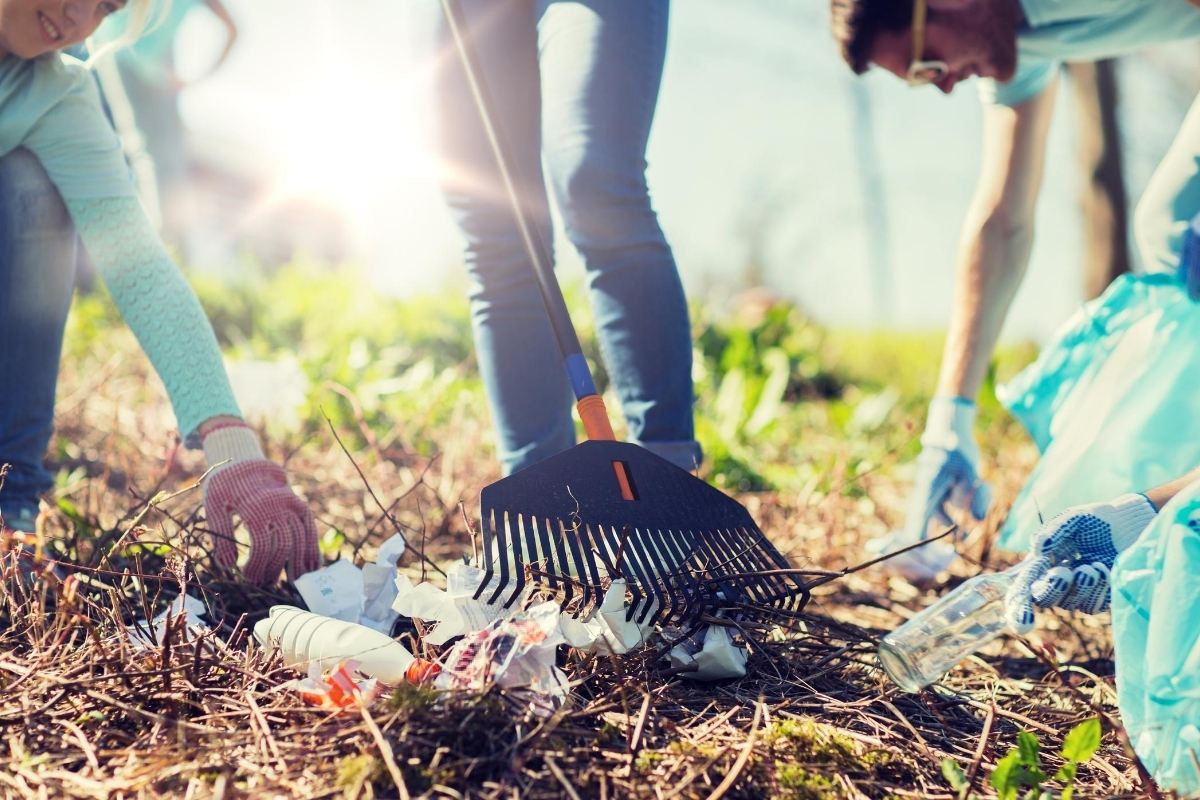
x: 1102, y: 196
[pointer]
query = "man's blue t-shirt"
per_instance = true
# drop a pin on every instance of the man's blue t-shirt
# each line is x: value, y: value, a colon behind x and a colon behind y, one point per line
x: 1086, y: 30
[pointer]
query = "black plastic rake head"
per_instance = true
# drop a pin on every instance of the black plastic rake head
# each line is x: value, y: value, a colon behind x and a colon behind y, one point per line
x: 683, y: 548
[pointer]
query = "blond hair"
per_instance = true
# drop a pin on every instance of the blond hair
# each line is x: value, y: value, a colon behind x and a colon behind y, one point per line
x: 143, y: 17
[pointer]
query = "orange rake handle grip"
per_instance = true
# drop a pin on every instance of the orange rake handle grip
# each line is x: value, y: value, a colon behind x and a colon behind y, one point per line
x: 595, y: 423
x: 595, y: 418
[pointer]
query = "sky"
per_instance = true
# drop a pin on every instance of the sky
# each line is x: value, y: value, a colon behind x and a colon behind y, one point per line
x: 757, y: 119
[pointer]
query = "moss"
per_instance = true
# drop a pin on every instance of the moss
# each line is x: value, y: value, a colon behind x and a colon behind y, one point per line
x: 797, y: 783
x: 809, y: 740
x: 356, y: 772
x: 413, y: 699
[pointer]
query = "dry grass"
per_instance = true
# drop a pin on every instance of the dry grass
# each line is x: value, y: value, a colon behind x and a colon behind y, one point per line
x: 86, y: 715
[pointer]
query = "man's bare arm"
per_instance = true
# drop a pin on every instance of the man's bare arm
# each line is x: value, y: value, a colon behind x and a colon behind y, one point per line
x: 996, y: 240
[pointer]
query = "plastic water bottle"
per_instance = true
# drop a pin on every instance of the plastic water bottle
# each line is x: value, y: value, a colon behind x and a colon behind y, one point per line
x: 925, y: 648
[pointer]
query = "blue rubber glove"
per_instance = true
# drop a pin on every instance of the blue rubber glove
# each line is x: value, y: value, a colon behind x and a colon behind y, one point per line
x: 1072, y: 555
x: 1189, y: 259
x: 947, y: 477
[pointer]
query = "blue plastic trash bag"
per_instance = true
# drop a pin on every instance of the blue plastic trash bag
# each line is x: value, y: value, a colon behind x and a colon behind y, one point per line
x: 1113, y: 402
x: 1156, y: 629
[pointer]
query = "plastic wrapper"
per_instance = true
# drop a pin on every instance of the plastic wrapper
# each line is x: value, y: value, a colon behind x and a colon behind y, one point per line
x: 1156, y: 631
x: 304, y: 638
x: 1113, y: 401
x: 514, y: 651
x: 338, y: 689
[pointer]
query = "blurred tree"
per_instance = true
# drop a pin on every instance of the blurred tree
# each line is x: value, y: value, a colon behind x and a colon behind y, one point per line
x: 1102, y: 194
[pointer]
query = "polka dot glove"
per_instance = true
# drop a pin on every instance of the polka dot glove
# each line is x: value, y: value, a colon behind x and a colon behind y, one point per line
x: 1072, y: 555
x: 245, y: 485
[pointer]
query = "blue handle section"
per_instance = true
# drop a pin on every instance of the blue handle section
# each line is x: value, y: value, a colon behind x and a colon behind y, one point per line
x: 579, y: 375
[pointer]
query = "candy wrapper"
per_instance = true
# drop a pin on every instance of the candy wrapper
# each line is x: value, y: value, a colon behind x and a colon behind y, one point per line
x: 340, y: 688
x: 514, y: 651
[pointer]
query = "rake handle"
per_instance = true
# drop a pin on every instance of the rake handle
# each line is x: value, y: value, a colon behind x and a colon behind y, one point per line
x: 588, y: 401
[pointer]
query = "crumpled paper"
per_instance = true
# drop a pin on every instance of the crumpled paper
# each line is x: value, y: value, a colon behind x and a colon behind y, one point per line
x: 189, y: 607
x: 454, y: 609
x: 338, y: 689
x: 364, y: 596
x: 456, y: 612
x: 712, y: 653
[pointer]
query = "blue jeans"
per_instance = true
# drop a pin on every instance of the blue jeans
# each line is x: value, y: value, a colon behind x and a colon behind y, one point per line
x: 573, y: 83
x: 37, y: 277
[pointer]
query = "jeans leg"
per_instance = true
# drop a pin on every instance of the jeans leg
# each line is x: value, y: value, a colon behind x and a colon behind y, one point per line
x: 1171, y: 199
x: 37, y: 273
x: 601, y: 65
x: 518, y: 359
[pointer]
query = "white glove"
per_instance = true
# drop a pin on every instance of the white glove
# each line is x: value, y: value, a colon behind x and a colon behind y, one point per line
x: 947, y: 475
x: 1072, y: 555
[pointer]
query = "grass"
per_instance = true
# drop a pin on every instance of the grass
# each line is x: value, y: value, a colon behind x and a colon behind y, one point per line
x: 812, y: 430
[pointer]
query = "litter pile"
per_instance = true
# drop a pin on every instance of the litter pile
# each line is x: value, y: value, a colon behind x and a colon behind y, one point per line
x: 343, y: 644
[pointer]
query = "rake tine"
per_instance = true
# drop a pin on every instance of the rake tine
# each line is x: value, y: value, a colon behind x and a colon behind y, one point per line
x: 680, y: 574
x: 564, y: 562
x: 520, y: 559
x: 637, y: 556
x: 747, y: 546
x: 550, y: 568
x: 663, y: 562
x: 727, y: 555
x: 499, y: 538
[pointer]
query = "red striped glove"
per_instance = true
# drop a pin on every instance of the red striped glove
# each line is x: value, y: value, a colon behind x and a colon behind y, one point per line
x: 282, y: 529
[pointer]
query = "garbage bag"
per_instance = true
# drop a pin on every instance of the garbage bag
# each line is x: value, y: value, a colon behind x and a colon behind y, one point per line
x: 1113, y: 402
x: 1156, y: 630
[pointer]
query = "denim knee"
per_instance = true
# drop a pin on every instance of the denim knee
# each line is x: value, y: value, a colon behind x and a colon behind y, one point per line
x: 605, y: 202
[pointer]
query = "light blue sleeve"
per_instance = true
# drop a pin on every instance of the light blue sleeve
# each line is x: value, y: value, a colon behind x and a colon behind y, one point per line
x: 69, y: 133
x: 1171, y: 199
x: 158, y: 305
x: 1031, y: 79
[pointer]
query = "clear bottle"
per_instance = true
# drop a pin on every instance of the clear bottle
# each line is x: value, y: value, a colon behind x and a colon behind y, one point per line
x: 923, y: 649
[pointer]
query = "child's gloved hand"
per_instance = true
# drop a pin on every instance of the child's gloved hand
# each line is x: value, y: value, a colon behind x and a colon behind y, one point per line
x: 947, y: 477
x: 1072, y: 555
x: 282, y: 529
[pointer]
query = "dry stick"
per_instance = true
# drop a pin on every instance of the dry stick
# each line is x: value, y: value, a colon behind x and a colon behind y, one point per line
x: 979, y: 751
x: 385, y: 750
x: 561, y: 778
x: 396, y: 525
x: 742, y: 758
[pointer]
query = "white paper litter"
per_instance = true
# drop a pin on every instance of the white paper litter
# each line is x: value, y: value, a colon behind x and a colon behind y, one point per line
x: 343, y: 591
x: 455, y: 609
x: 184, y: 604
x: 716, y: 660
x: 379, y: 586
x: 305, y: 638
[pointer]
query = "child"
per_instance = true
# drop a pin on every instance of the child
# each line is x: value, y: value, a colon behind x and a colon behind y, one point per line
x: 61, y: 173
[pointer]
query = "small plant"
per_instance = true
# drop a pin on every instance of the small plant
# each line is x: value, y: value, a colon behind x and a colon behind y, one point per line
x: 1021, y: 770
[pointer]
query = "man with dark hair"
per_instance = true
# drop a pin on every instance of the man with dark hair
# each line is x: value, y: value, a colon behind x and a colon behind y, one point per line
x: 1015, y: 48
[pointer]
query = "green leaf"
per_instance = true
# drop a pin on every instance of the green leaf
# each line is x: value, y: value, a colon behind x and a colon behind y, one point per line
x: 1066, y: 773
x: 1083, y: 741
x: 1028, y: 747
x: 1067, y: 793
x: 1004, y: 777
x: 954, y: 774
